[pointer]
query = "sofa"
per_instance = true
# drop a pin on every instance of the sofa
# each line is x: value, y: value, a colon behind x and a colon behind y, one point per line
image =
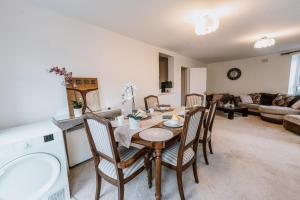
x: 292, y: 123
x: 271, y: 107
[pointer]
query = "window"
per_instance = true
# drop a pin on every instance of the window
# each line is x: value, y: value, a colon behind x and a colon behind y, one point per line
x: 294, y: 83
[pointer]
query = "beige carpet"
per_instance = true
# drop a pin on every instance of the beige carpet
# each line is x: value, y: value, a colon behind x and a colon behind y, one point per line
x: 252, y: 159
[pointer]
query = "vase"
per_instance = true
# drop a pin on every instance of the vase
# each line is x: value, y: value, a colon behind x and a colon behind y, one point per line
x: 77, y: 112
x: 134, y: 124
x: 133, y: 110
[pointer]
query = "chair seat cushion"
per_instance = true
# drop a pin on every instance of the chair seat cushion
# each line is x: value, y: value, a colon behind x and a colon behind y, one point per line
x: 109, y: 168
x: 169, y: 155
x: 278, y: 110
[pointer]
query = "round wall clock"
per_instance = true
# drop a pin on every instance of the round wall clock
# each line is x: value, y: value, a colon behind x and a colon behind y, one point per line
x: 234, y: 73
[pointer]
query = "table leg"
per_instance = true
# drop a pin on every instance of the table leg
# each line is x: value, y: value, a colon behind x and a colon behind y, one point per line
x: 230, y: 114
x: 245, y: 113
x: 158, y: 173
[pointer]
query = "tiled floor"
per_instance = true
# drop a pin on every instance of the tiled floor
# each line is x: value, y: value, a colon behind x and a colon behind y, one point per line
x: 253, y: 160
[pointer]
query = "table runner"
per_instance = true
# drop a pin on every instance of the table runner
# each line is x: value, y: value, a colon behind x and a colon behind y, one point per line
x: 123, y: 134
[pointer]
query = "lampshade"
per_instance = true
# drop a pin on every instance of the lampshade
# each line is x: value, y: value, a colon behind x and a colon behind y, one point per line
x: 166, y: 84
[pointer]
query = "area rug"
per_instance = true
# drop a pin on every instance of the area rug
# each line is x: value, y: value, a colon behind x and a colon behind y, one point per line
x: 252, y: 160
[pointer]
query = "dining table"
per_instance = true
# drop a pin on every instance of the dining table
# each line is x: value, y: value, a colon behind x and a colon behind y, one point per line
x: 157, y: 146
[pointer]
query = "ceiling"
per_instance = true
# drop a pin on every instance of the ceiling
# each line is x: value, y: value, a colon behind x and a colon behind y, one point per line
x: 167, y: 24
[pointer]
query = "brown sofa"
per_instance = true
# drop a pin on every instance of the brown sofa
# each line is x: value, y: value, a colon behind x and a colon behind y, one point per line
x: 269, y: 106
x: 273, y: 107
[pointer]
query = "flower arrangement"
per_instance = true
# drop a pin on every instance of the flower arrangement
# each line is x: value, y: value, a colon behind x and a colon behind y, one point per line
x: 129, y: 94
x: 135, y: 116
x: 61, y: 72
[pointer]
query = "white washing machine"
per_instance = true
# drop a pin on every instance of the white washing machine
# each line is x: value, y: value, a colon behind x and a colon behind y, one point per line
x: 33, y: 163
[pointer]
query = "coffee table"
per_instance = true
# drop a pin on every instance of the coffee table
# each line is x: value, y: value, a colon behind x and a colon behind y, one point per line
x: 231, y: 111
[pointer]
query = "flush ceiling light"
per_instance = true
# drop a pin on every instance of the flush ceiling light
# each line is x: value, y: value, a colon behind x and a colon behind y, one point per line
x: 207, y: 23
x: 264, y: 42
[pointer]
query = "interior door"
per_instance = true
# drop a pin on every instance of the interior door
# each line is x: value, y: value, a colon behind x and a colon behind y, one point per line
x: 184, y: 84
x: 198, y: 80
x: 28, y: 177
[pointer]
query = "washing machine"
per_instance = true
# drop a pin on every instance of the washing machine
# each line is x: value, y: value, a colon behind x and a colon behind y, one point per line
x: 33, y: 163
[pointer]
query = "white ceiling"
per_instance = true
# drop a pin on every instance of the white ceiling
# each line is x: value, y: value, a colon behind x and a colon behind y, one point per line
x: 165, y: 23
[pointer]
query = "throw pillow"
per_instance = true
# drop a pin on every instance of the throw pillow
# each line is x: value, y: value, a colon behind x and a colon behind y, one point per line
x: 283, y: 100
x: 297, y: 98
x: 255, y: 97
x: 227, y: 98
x: 246, y: 99
x: 267, y: 99
x: 237, y: 100
x: 296, y: 105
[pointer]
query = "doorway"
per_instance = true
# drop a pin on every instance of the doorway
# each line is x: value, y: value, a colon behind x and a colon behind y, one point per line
x: 184, y: 84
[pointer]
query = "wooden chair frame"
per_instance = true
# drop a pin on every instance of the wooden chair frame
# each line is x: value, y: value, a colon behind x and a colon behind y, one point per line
x: 208, y: 125
x: 194, y: 94
x: 119, y: 165
x: 147, y: 97
x: 179, y: 168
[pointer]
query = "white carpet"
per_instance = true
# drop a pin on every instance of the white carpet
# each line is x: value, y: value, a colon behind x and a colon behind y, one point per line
x: 252, y: 159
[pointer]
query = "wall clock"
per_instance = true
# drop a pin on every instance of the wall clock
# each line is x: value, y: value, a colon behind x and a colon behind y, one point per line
x: 234, y: 73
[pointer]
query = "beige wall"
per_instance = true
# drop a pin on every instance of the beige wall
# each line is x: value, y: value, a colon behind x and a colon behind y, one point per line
x: 33, y: 39
x: 257, y: 76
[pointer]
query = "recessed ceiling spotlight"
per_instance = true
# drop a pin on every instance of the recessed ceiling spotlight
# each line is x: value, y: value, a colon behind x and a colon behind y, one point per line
x: 264, y: 42
x: 206, y: 24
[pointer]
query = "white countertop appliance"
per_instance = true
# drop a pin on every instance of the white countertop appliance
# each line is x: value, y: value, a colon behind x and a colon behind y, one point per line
x: 33, y: 163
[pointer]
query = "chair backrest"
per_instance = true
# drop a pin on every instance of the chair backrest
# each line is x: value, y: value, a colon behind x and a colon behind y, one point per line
x: 191, y: 130
x: 210, y: 118
x: 194, y: 99
x: 101, y: 138
x: 151, y: 101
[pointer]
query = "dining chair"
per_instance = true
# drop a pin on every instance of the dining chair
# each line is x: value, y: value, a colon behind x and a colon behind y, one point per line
x: 183, y: 154
x: 117, y: 165
x: 151, y: 101
x: 205, y: 134
x: 194, y: 100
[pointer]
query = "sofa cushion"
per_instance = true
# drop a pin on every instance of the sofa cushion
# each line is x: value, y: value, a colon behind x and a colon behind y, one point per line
x: 282, y: 100
x: 272, y: 116
x: 255, y: 97
x: 293, y: 118
x: 237, y: 100
x: 227, y: 98
x: 217, y: 97
x: 246, y: 99
x: 279, y: 110
x: 292, y: 102
x: 267, y: 99
x: 296, y: 105
x: 250, y: 105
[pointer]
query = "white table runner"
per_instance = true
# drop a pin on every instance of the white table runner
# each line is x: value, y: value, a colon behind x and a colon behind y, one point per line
x: 123, y: 134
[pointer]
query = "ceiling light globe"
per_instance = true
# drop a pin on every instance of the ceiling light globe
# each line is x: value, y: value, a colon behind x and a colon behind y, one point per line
x: 206, y: 24
x: 264, y: 42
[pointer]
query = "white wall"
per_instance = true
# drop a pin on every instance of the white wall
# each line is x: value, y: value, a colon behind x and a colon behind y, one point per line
x: 257, y: 76
x: 33, y: 39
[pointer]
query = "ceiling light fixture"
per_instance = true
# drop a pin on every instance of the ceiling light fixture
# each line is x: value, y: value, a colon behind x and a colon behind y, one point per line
x: 264, y: 42
x: 206, y: 24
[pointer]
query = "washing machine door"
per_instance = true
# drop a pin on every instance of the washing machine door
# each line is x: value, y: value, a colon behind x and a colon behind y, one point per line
x: 28, y: 177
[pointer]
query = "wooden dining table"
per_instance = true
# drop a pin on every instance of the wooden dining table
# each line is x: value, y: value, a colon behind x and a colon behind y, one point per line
x: 158, y: 146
